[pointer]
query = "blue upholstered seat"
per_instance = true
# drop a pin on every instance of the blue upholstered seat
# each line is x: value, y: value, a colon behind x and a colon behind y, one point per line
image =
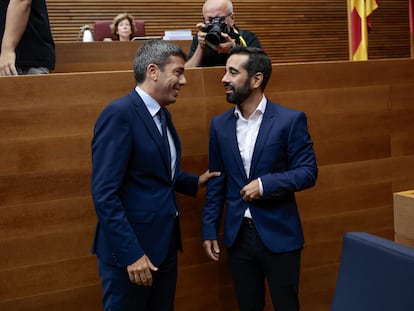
x: 375, y: 274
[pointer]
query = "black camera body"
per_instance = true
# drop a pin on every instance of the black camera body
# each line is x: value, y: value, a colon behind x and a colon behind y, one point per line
x: 214, y: 30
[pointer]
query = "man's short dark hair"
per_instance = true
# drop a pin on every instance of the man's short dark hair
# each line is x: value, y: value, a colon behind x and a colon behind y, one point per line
x: 258, y: 61
x: 156, y: 52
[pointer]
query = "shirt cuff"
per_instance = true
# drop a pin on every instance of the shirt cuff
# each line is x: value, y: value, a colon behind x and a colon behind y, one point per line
x: 260, y: 186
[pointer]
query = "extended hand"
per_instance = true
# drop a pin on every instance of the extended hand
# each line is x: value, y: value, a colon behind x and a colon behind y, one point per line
x: 140, y: 271
x: 203, y: 179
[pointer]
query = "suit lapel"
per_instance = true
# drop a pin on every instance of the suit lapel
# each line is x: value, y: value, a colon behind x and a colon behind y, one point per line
x: 264, y: 130
x: 149, y: 123
x: 176, y: 141
x: 231, y: 126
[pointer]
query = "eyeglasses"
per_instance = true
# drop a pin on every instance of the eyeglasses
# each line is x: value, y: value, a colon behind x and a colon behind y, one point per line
x: 216, y: 18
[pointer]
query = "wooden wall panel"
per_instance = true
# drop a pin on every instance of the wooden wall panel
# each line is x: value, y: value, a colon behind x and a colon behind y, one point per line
x: 27, y: 281
x: 351, y: 199
x: 85, y: 298
x: 46, y: 247
x: 290, y: 30
x: 360, y: 120
x: 30, y: 218
x: 402, y: 171
x: 99, y: 56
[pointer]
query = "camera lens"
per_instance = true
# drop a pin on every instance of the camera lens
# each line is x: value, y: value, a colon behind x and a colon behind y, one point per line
x: 213, y: 38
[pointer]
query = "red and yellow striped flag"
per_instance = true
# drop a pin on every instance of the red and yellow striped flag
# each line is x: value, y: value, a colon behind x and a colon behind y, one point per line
x: 411, y: 15
x: 411, y: 19
x: 359, y: 12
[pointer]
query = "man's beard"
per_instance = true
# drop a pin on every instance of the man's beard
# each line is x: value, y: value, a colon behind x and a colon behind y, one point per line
x: 239, y: 95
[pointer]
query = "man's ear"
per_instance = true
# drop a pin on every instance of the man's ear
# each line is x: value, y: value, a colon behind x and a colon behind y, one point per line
x: 232, y: 18
x: 256, y: 80
x: 152, y: 71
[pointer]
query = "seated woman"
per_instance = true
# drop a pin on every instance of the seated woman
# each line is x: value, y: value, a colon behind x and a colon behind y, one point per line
x: 123, y: 27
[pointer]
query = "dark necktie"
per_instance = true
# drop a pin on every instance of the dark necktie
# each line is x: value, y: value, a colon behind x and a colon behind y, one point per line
x: 163, y: 118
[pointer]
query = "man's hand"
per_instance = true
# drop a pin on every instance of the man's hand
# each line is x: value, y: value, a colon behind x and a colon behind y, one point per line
x: 223, y: 47
x: 212, y: 249
x: 201, y: 35
x: 203, y: 179
x: 7, y: 63
x: 251, y: 191
x: 17, y: 18
x: 227, y: 45
x: 140, y: 271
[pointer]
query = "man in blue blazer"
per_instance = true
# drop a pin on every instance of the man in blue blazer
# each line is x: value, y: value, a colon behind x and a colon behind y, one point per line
x: 265, y: 154
x: 135, y: 172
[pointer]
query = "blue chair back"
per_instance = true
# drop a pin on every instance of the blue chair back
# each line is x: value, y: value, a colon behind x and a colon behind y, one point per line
x: 375, y: 274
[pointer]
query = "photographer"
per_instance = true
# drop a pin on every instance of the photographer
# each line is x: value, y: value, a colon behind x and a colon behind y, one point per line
x: 217, y: 35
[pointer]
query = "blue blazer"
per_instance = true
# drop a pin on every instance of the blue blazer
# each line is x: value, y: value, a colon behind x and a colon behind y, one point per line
x: 283, y: 158
x: 133, y: 193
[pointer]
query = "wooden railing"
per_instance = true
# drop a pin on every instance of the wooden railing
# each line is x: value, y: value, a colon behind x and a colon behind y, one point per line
x: 361, y: 119
x: 100, y: 56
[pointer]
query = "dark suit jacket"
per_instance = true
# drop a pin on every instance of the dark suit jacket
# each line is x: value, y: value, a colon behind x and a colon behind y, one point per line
x: 283, y: 158
x: 132, y: 190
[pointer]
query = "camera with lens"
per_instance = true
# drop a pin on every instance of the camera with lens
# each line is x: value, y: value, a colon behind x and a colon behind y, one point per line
x: 214, y: 30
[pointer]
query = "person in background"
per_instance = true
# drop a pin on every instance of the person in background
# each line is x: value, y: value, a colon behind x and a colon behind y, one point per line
x: 26, y: 42
x: 136, y: 155
x: 205, y: 53
x: 123, y: 27
x: 265, y: 154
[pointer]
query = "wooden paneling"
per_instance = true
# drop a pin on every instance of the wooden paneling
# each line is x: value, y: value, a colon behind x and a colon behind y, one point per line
x: 290, y: 30
x: 32, y: 280
x: 85, y: 298
x: 360, y: 116
x: 99, y: 56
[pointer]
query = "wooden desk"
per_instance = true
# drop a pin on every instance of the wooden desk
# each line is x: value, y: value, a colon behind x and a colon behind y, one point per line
x: 404, y: 217
x: 100, y: 56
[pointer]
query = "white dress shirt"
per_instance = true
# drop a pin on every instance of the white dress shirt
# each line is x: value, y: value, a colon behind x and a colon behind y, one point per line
x: 247, y: 131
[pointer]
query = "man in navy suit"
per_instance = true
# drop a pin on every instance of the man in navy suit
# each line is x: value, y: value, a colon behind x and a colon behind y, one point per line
x: 135, y: 173
x: 265, y: 154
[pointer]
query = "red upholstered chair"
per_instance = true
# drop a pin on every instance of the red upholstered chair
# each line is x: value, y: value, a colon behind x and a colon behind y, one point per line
x: 101, y: 29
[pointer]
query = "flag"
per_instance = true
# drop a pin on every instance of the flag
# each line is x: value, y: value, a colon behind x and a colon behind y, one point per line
x: 360, y: 11
x: 411, y: 15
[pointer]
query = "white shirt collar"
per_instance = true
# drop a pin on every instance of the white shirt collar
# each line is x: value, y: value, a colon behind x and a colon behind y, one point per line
x: 261, y: 107
x: 152, y: 105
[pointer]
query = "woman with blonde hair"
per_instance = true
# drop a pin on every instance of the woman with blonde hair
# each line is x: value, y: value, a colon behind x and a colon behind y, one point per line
x: 123, y: 27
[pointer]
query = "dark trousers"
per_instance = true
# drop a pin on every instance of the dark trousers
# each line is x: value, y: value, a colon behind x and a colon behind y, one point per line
x: 251, y: 263
x: 120, y: 294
